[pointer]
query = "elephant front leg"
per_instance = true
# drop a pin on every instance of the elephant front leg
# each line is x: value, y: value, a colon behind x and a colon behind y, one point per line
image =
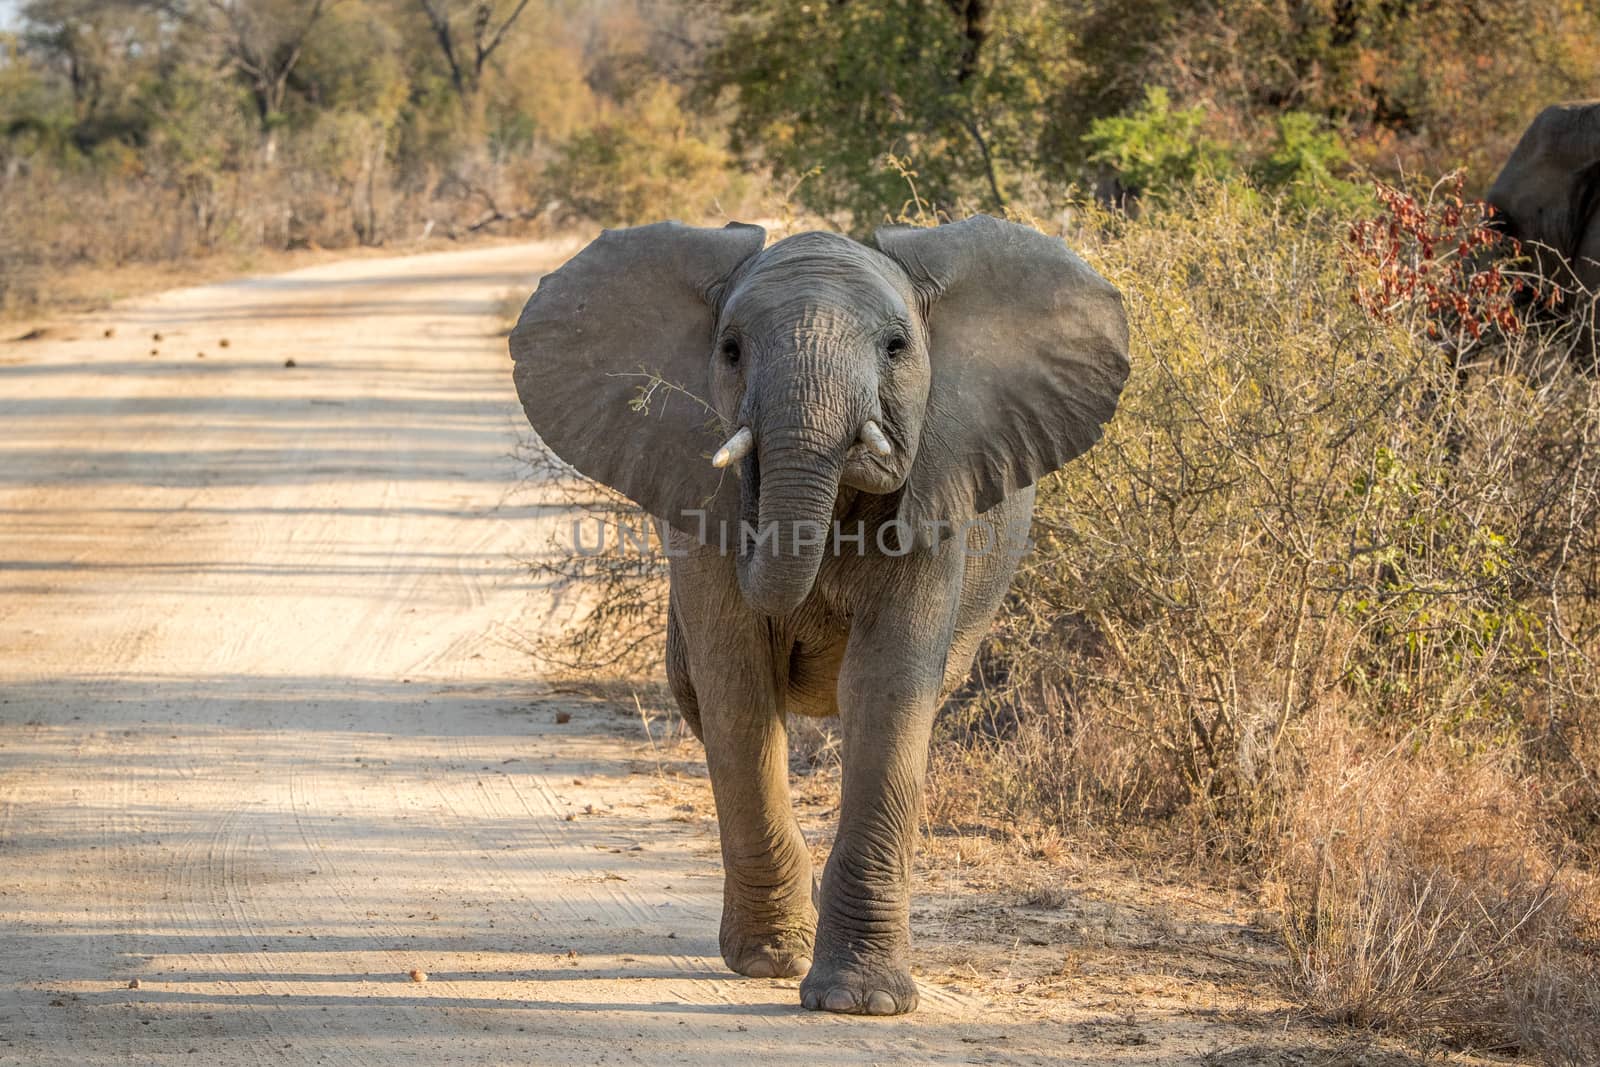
x: 888, y: 693
x: 768, y: 917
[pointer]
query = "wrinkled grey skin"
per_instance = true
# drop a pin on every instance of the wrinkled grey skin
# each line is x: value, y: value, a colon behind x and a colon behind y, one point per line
x: 1548, y: 194
x: 988, y: 353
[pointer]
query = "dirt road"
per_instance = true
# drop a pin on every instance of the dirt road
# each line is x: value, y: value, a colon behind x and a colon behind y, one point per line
x: 267, y: 743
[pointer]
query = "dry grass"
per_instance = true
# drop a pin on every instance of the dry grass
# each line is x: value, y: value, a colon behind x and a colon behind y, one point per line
x: 1417, y: 896
x: 1555, y: 1009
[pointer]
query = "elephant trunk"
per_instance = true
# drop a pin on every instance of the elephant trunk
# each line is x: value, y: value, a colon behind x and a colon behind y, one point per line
x: 798, y: 472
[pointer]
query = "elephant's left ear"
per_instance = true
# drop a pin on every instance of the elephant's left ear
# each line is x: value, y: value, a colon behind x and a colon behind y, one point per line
x: 1029, y: 351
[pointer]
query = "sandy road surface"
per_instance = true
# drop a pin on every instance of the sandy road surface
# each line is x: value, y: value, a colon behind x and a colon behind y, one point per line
x: 267, y: 744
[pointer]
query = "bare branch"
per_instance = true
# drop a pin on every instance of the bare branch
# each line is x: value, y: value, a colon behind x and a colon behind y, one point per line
x: 486, y: 37
x: 439, y: 21
x: 486, y: 50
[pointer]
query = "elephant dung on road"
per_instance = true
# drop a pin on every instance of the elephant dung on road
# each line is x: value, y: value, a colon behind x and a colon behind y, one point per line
x: 842, y: 440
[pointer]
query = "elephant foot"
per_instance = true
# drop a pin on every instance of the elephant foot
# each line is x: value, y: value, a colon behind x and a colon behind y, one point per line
x: 770, y: 954
x: 770, y: 938
x: 860, y: 988
x: 769, y: 918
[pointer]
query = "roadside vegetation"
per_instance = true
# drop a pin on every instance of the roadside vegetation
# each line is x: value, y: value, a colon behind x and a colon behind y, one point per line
x: 1324, y: 607
x: 1320, y: 616
x: 151, y: 132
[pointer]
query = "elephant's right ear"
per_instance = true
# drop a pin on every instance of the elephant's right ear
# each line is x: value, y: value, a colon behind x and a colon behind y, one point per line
x: 611, y: 359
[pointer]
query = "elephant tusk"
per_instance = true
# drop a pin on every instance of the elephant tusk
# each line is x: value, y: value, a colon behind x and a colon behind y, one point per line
x: 738, y: 447
x: 873, y: 436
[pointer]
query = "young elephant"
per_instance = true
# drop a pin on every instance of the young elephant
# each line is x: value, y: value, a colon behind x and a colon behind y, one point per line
x: 882, y: 413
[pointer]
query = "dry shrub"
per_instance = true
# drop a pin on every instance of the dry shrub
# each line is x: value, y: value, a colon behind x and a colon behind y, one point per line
x: 1046, y: 766
x: 1310, y: 521
x: 607, y: 554
x: 1296, y: 505
x: 334, y: 186
x: 1418, y: 896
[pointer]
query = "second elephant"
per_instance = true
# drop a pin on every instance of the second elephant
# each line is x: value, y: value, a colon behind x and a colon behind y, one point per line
x: 1548, y: 197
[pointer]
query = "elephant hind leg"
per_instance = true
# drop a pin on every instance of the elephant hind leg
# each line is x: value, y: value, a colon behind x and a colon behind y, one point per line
x: 678, y: 674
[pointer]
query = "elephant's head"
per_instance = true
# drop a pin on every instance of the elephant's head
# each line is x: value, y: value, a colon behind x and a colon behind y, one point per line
x: 952, y: 366
x: 1548, y: 193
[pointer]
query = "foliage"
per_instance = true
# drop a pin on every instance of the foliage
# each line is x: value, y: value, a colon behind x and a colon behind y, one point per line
x: 1009, y: 104
x: 163, y: 129
x: 1429, y: 86
x: 958, y: 87
x: 1307, y: 161
x: 221, y: 119
x: 1439, y: 264
x: 1154, y: 149
x: 648, y: 162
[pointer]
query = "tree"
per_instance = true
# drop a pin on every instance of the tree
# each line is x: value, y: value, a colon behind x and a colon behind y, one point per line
x: 265, y: 40
x: 98, y: 51
x: 955, y: 86
x: 467, y: 58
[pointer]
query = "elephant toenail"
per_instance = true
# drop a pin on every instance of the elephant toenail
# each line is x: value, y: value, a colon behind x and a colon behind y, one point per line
x: 761, y: 967
x: 799, y: 967
x: 839, y: 1000
x: 881, y: 1003
x: 811, y: 1002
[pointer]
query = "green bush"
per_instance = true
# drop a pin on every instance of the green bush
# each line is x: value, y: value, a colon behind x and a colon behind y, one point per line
x: 1306, y: 161
x: 1155, y: 150
x: 1158, y: 151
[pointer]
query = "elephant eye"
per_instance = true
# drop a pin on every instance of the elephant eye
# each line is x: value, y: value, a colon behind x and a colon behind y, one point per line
x: 895, y: 345
x: 730, y: 351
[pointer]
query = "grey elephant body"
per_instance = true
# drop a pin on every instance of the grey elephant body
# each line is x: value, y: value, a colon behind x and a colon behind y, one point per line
x: 893, y: 407
x: 804, y: 650
x: 1547, y: 196
x: 879, y: 640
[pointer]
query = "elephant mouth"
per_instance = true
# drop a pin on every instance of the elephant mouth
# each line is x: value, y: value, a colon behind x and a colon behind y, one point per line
x: 869, y: 472
x: 863, y: 470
